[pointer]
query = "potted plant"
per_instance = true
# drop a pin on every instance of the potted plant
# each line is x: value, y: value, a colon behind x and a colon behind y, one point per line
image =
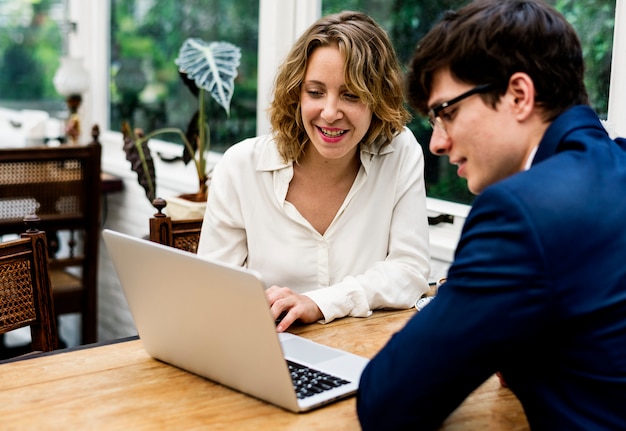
x: 205, y: 67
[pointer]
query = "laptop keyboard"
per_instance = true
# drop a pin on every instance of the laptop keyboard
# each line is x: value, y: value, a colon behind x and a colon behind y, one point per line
x: 308, y: 381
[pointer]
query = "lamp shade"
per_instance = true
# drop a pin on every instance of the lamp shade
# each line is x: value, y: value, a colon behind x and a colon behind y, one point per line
x: 71, y: 78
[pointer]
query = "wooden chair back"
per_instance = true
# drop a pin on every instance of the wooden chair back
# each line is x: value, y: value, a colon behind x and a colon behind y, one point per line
x: 181, y: 234
x: 62, y: 185
x: 25, y: 289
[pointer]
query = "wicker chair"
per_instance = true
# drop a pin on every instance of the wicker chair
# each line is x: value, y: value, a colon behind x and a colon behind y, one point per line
x: 63, y: 186
x: 25, y: 290
x: 181, y: 234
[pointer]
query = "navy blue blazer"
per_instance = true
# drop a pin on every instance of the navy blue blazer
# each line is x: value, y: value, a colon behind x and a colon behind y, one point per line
x: 537, y: 290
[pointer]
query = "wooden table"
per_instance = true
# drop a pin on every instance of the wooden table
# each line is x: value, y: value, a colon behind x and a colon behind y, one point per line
x: 118, y: 386
x: 110, y: 183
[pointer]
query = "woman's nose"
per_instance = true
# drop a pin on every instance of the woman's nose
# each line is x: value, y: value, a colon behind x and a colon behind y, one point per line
x: 331, y: 110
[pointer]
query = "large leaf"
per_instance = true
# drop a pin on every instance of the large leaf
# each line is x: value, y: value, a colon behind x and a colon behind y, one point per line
x: 140, y: 160
x: 212, y: 66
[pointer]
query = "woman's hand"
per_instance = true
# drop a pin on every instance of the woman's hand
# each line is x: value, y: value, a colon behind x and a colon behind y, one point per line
x: 291, y: 306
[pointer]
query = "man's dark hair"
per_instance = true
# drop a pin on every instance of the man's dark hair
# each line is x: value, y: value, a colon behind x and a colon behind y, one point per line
x: 487, y: 41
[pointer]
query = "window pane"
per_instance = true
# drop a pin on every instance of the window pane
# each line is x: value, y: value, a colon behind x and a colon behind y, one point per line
x: 30, y: 48
x: 146, y: 89
x: 407, y: 21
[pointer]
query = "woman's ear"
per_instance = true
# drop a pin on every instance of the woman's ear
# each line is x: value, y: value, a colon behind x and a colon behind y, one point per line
x: 521, y: 91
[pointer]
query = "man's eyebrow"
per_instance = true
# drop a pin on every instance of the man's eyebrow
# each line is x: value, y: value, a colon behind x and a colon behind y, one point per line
x: 435, y: 104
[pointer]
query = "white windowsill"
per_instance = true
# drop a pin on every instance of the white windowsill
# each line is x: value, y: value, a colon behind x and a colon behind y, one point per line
x: 445, y: 236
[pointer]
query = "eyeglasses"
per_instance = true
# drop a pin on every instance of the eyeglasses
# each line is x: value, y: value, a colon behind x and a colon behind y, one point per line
x: 433, y: 114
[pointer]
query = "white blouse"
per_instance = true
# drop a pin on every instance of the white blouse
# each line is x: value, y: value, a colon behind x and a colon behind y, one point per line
x: 373, y: 255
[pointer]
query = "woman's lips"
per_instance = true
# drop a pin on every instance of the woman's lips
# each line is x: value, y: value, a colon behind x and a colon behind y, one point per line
x: 331, y: 135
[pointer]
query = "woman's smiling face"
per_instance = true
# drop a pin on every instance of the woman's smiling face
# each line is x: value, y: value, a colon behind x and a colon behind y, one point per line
x: 335, y: 119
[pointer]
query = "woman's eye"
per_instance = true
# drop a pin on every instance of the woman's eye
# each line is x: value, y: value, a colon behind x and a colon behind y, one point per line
x: 352, y: 97
x: 314, y: 93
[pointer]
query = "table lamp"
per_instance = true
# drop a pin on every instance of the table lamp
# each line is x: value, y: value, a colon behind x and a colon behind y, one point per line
x: 71, y: 80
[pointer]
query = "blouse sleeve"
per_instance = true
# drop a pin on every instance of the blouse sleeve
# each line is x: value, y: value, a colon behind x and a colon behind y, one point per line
x: 223, y: 235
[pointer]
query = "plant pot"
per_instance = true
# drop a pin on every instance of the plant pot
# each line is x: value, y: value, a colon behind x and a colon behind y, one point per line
x: 180, y: 208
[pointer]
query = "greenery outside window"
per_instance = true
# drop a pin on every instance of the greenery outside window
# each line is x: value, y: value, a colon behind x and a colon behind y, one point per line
x: 146, y: 89
x: 30, y: 48
x: 145, y: 36
x: 406, y: 21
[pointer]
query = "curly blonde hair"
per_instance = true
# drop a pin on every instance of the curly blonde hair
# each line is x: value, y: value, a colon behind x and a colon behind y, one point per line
x: 372, y: 72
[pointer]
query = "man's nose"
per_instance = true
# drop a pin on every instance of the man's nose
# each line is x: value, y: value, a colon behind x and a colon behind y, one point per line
x: 439, y: 142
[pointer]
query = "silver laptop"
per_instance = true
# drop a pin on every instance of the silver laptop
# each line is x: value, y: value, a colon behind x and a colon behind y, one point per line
x: 214, y: 320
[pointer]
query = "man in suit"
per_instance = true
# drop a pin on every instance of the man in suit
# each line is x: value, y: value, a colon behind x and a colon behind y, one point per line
x: 537, y: 289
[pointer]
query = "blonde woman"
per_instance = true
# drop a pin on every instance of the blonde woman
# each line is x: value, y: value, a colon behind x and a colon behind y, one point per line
x: 330, y: 207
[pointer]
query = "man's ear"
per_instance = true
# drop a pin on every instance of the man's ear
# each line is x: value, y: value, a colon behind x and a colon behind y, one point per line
x: 521, y: 92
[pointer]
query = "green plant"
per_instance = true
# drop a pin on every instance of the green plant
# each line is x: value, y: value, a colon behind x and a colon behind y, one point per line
x: 205, y: 67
